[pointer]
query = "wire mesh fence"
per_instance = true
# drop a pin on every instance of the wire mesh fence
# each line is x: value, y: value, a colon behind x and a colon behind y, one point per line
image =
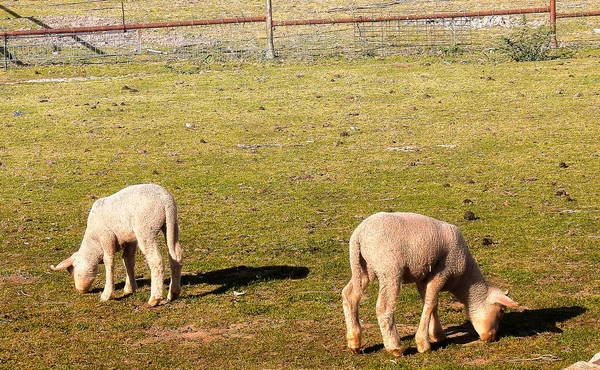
x: 293, y: 40
x: 46, y: 49
x: 230, y: 42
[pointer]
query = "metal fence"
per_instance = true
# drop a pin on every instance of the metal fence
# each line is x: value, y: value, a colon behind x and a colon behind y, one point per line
x: 355, y: 31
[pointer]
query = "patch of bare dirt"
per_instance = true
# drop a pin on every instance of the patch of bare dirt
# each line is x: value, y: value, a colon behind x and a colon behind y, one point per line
x: 245, y: 330
x: 18, y: 279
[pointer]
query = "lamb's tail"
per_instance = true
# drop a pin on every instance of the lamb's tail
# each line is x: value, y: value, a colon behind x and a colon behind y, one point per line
x: 358, y: 265
x: 172, y: 234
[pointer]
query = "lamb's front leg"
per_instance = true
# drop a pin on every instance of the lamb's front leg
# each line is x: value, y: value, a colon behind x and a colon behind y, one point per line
x: 109, y: 286
x: 430, y: 301
x: 436, y: 331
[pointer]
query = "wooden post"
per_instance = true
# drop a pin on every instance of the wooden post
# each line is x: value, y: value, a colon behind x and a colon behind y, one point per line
x: 5, y: 53
x: 139, y: 41
x: 553, y: 22
x: 270, y: 46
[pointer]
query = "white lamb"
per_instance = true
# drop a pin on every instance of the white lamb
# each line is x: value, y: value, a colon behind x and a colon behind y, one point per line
x: 130, y: 218
x: 399, y: 248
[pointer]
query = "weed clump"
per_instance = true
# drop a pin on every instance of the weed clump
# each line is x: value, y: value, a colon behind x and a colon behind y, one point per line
x: 528, y: 44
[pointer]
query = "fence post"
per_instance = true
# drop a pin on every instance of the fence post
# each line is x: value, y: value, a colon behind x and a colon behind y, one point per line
x: 269, y: 18
x: 4, y: 52
x: 123, y: 16
x: 553, y: 22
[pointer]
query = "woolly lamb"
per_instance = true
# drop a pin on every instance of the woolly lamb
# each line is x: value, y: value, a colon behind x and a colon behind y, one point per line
x: 401, y: 248
x: 130, y: 218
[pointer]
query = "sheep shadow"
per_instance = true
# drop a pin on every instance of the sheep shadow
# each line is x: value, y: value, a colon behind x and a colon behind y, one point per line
x: 527, y: 323
x: 242, y: 276
x: 232, y: 277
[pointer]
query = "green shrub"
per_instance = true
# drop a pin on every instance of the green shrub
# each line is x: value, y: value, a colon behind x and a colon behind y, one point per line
x: 528, y: 44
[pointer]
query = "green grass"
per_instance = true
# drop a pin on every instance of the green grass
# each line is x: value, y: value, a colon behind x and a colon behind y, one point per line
x: 282, y: 163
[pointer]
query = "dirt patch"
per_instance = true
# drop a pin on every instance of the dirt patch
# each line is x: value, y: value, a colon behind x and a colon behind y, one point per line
x: 18, y: 279
x: 191, y: 332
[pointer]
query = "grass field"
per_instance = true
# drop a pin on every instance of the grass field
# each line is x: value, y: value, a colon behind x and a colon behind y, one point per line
x: 273, y: 166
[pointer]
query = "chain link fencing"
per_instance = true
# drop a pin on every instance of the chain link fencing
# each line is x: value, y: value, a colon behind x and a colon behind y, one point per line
x: 318, y: 35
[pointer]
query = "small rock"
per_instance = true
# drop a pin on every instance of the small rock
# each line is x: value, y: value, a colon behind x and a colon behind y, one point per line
x: 563, y: 165
x: 470, y: 216
x: 127, y: 88
x: 487, y: 241
x: 467, y: 201
x: 561, y: 193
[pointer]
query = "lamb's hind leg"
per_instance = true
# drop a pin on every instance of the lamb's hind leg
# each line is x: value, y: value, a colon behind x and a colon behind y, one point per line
x: 175, y: 286
x: 129, y: 262
x: 386, y: 305
x: 149, y: 246
x: 350, y: 300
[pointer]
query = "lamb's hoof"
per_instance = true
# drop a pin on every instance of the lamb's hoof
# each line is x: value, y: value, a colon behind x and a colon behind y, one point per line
x: 105, y: 297
x: 422, y: 348
x: 437, y: 338
x: 172, y: 296
x: 128, y: 290
x: 396, y: 352
x: 356, y: 350
x: 154, y: 301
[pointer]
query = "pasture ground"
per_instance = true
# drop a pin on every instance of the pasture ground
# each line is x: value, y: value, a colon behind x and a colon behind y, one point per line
x: 273, y: 166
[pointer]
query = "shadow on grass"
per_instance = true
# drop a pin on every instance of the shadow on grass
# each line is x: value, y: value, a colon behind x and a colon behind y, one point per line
x: 241, y: 276
x: 528, y: 323
x: 233, y: 277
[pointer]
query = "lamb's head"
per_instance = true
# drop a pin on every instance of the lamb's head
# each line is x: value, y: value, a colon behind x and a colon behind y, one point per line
x: 486, y: 317
x: 82, y: 269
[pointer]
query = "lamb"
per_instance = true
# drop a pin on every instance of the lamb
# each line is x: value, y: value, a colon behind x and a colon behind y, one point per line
x: 130, y: 218
x: 401, y: 248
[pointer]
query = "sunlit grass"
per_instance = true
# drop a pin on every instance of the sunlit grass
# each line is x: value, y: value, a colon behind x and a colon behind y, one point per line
x: 274, y: 165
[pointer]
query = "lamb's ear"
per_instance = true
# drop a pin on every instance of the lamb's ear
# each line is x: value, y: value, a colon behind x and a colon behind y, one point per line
x: 505, y: 301
x: 64, y: 265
